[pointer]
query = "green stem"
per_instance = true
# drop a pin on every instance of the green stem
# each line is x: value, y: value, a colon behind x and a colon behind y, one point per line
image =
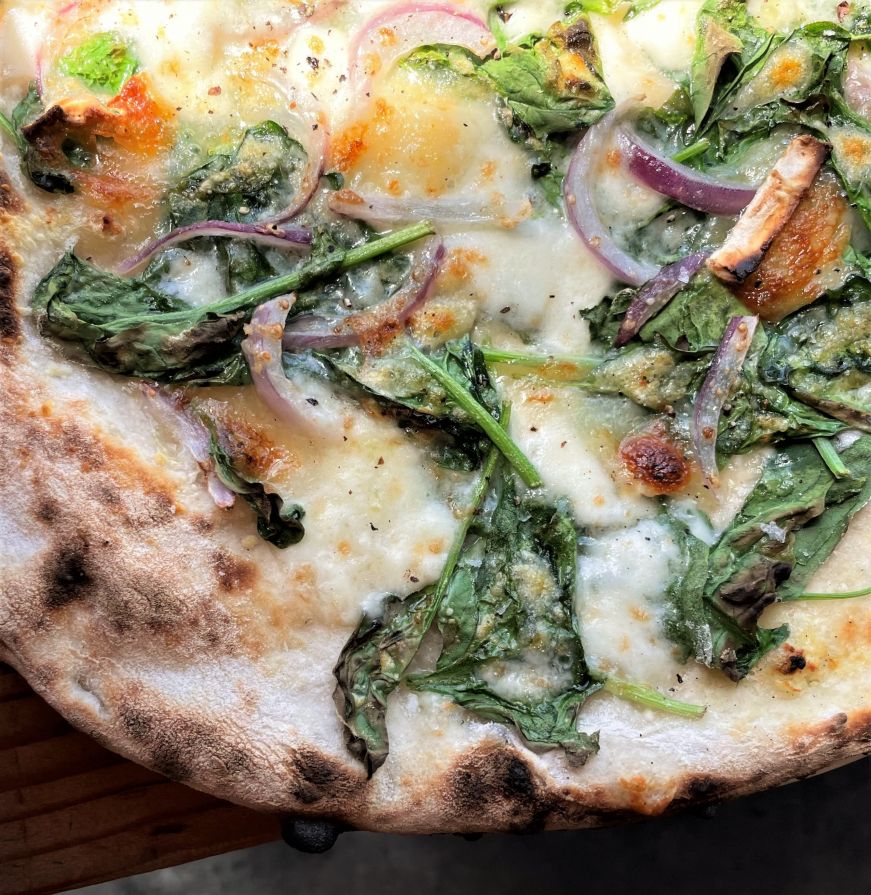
x: 478, y: 497
x: 553, y: 366
x: 700, y: 147
x: 9, y: 127
x: 651, y: 698
x: 831, y: 458
x: 482, y: 418
x: 340, y: 260
x: 849, y: 595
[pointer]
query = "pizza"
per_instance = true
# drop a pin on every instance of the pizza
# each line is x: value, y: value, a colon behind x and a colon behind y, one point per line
x: 441, y: 416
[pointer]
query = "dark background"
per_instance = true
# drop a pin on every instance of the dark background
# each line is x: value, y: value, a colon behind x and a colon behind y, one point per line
x: 810, y: 837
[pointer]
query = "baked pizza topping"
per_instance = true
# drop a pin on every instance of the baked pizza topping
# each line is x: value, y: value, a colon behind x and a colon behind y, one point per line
x: 361, y: 258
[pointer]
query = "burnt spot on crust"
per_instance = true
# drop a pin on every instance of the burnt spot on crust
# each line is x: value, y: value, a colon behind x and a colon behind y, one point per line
x: 10, y: 322
x: 498, y: 783
x: 180, y: 747
x: 67, y: 578
x: 233, y: 573
x: 316, y: 777
x: 655, y: 461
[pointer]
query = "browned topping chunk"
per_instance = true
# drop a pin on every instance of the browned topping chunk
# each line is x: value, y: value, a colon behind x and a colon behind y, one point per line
x: 769, y: 211
x: 655, y: 461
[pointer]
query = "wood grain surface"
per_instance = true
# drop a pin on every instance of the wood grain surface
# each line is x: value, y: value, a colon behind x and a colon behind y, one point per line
x: 72, y: 813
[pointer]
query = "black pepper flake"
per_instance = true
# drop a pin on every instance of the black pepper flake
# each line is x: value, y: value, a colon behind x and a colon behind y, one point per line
x: 506, y: 309
x: 533, y: 428
x: 312, y: 401
x: 372, y: 527
x: 380, y: 461
x: 313, y: 61
x: 679, y: 678
x: 413, y: 579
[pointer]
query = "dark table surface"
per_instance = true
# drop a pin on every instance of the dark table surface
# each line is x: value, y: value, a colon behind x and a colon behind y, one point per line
x: 810, y: 838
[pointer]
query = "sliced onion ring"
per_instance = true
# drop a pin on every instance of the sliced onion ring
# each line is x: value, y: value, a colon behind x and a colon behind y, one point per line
x: 722, y: 376
x: 195, y: 437
x: 375, y: 324
x: 378, y: 209
x: 290, y: 238
x: 398, y: 30
x: 582, y: 211
x: 262, y: 349
x: 656, y: 294
x: 680, y: 182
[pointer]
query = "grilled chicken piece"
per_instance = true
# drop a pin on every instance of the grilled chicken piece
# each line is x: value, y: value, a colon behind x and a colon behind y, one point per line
x: 768, y: 212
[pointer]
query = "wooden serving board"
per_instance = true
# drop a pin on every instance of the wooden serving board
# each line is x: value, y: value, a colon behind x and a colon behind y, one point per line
x: 72, y: 813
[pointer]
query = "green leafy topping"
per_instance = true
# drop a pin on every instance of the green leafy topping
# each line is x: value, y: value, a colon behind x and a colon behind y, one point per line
x: 822, y: 354
x: 509, y: 613
x: 547, y: 366
x: 278, y: 522
x: 789, y: 526
x: 129, y: 328
x: 848, y: 595
x: 104, y: 62
x: 551, y: 83
x: 376, y: 657
x: 444, y: 370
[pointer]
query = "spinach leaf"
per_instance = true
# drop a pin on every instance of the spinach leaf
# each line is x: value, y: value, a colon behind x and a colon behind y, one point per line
x: 256, y: 180
x: 103, y: 62
x: 253, y: 182
x: 278, y: 522
x: 822, y: 354
x: 403, y: 389
x: 788, y: 527
x: 129, y: 328
x: 551, y: 83
x: 510, y: 611
x: 28, y: 110
x: 375, y: 659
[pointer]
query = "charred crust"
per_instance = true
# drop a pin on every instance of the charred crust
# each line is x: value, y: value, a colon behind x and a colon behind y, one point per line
x: 10, y: 322
x: 498, y: 783
x: 318, y: 778
x: 67, y: 576
x: 233, y: 573
x: 179, y: 747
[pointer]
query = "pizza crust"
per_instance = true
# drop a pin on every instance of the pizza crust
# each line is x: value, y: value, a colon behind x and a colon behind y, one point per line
x: 129, y: 604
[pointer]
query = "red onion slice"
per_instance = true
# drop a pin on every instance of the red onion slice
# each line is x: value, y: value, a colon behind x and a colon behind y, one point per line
x: 656, y: 294
x: 680, y: 182
x: 398, y: 30
x: 195, y: 437
x: 857, y: 81
x: 582, y: 211
x: 377, y: 323
x: 378, y: 209
x: 715, y: 391
x: 290, y: 238
x: 262, y: 349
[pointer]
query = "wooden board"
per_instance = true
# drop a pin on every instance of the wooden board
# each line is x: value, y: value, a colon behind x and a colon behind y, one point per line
x: 72, y: 813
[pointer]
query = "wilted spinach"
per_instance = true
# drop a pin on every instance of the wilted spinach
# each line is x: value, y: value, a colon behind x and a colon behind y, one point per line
x: 504, y: 598
x: 278, y: 522
x: 788, y: 527
x: 127, y: 327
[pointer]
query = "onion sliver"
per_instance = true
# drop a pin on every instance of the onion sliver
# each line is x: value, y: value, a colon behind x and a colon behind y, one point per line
x: 582, y: 211
x: 656, y: 294
x: 262, y: 349
x: 375, y: 325
x: 398, y: 30
x: 378, y: 209
x: 195, y: 437
x: 290, y: 238
x: 680, y: 182
x: 722, y: 376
